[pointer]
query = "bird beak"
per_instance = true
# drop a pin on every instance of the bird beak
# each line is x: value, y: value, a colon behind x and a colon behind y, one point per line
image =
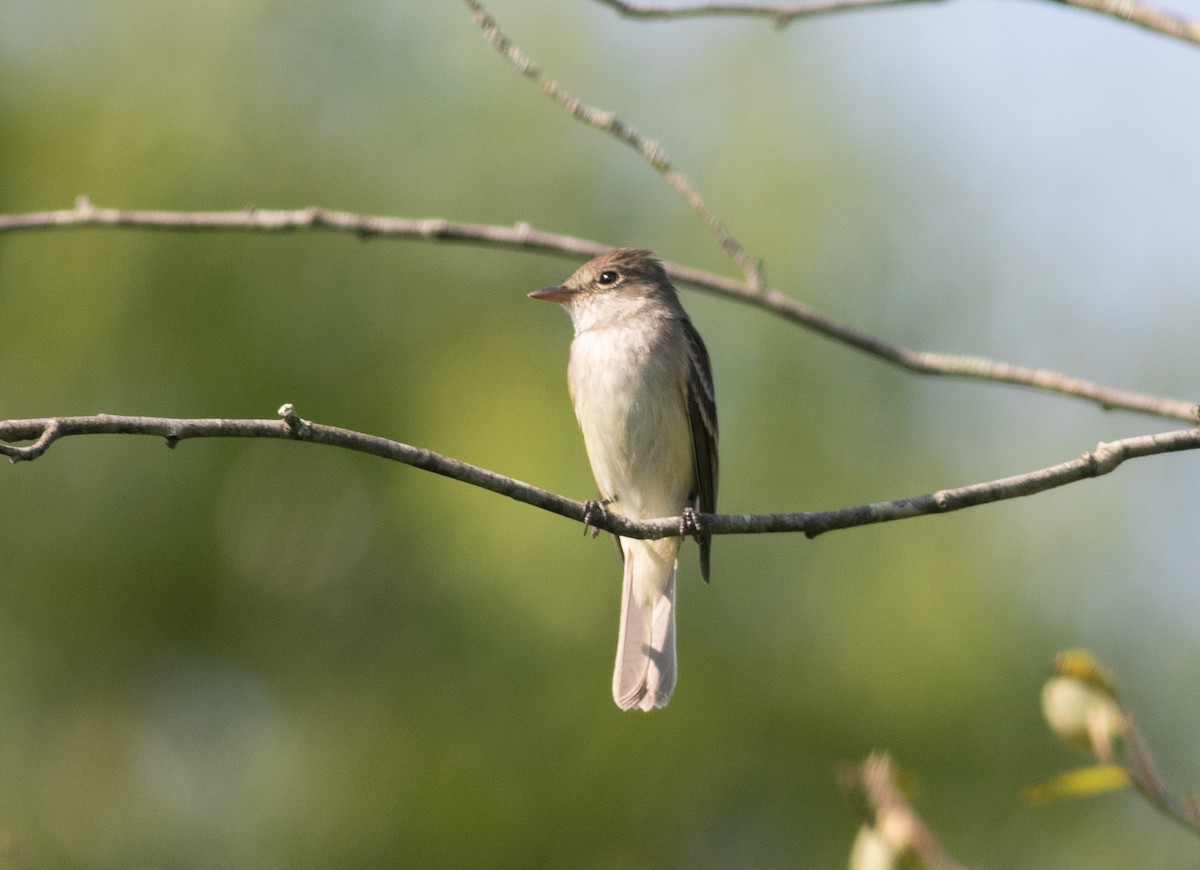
x: 553, y: 294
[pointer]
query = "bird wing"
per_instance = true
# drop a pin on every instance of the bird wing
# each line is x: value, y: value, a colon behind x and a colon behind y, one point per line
x: 702, y: 415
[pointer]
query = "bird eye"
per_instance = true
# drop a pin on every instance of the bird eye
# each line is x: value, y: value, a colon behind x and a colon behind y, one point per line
x: 608, y: 278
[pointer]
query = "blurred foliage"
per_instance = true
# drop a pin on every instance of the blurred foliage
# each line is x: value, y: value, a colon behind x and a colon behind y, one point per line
x: 268, y: 654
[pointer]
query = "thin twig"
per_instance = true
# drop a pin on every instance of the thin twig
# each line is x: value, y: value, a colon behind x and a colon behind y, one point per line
x: 1150, y: 18
x: 1103, y: 460
x: 781, y: 14
x: 45, y: 431
x: 929, y: 363
x: 1147, y: 17
x: 250, y: 219
x: 651, y: 150
x: 1148, y: 782
x: 523, y: 236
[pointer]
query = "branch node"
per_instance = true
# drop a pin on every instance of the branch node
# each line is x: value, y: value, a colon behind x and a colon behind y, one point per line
x: 1107, y: 456
x: 433, y: 228
x: 297, y: 426
x: 50, y: 434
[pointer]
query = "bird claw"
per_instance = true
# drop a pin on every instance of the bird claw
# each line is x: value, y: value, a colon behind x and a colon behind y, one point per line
x: 690, y: 525
x: 593, y: 510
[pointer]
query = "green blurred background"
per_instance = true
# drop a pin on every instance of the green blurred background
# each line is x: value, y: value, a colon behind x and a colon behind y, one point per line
x: 251, y: 654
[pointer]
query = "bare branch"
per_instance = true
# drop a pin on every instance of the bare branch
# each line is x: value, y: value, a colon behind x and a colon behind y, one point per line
x: 523, y: 236
x: 251, y: 219
x: 780, y: 14
x: 928, y: 363
x: 1148, y: 17
x: 651, y: 150
x: 290, y: 427
x: 1103, y: 460
x: 1143, y: 15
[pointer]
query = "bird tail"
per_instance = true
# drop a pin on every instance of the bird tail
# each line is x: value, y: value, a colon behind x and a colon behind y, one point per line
x: 645, y: 672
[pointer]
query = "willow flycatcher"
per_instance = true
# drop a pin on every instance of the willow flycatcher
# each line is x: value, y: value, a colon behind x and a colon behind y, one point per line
x: 642, y: 387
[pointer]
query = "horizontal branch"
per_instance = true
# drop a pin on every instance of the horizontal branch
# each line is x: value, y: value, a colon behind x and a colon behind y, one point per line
x: 1143, y: 15
x: 1148, y: 17
x: 780, y: 14
x: 251, y: 219
x: 523, y: 236
x: 43, y: 432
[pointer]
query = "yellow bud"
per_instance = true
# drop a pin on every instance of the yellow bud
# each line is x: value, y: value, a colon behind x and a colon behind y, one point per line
x: 1082, y: 665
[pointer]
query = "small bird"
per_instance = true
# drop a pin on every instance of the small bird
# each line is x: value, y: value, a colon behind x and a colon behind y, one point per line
x: 642, y: 388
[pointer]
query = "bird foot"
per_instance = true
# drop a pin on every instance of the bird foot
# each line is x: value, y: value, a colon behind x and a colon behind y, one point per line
x: 690, y: 525
x: 594, y: 510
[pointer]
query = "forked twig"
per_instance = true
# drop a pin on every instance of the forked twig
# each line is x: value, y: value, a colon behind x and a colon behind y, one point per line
x: 651, y: 150
x: 1148, y: 17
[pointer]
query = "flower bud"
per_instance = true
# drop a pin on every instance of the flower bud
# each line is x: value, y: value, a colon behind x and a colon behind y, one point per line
x: 1080, y: 704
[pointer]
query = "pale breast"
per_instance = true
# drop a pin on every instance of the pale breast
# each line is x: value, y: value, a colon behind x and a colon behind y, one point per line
x: 629, y: 392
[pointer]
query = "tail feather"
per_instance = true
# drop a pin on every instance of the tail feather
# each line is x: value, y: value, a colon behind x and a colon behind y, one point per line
x: 645, y: 671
